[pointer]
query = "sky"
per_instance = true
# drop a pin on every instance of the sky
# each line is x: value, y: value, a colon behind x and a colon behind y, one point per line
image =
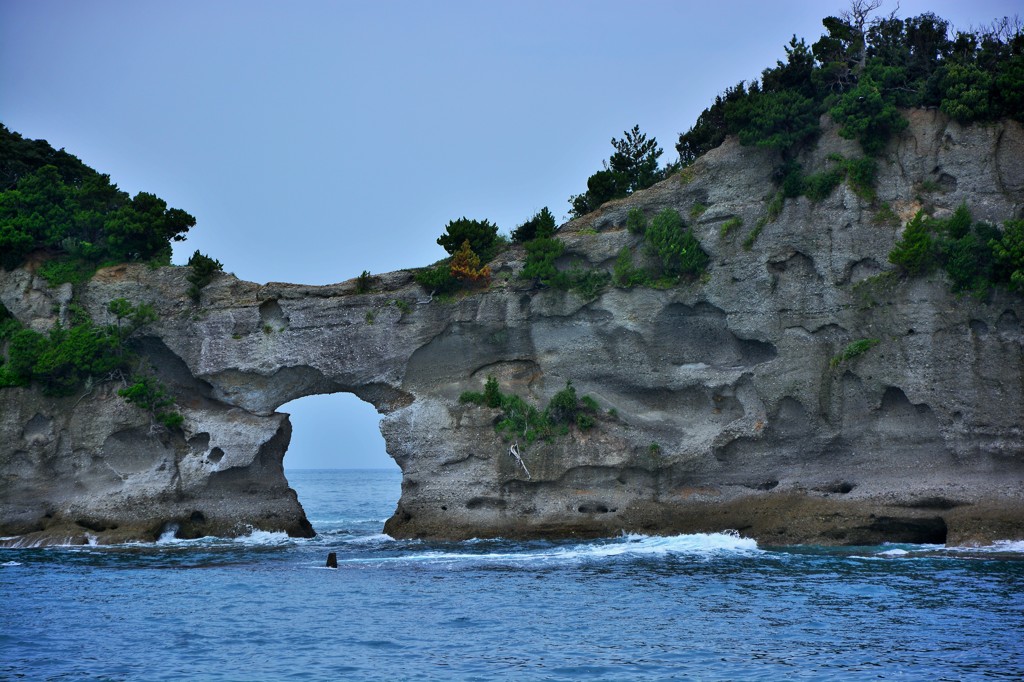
x: 314, y: 140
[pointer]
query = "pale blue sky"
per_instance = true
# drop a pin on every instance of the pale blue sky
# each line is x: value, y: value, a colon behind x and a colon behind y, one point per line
x: 314, y: 140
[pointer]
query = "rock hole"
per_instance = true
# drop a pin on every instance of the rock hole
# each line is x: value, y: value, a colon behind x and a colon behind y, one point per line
x: 979, y: 327
x: 936, y: 502
x: 917, y: 531
x: 273, y: 316
x: 1008, y: 322
x: 200, y: 442
x: 592, y: 508
x: 215, y: 456
x: 197, y: 517
x: 96, y: 526
x: 493, y: 503
x: 840, y: 487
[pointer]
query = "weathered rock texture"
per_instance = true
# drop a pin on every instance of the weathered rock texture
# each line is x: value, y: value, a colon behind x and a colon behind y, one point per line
x: 728, y: 413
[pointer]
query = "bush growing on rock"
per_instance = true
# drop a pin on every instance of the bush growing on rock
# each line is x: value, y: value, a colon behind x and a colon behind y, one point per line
x: 853, y: 350
x: 541, y: 255
x: 150, y: 395
x: 632, y: 167
x: 437, y: 279
x: 975, y: 256
x: 1009, y: 253
x: 636, y: 221
x: 862, y: 72
x: 675, y: 247
x: 465, y: 266
x: 625, y: 275
x: 204, y: 269
x: 481, y: 234
x: 520, y: 420
x: 541, y: 225
x: 915, y: 252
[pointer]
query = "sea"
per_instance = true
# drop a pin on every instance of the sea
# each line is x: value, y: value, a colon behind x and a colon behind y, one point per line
x: 632, y: 607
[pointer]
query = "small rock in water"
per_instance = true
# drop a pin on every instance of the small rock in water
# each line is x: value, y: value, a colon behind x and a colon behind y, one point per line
x: 332, y: 560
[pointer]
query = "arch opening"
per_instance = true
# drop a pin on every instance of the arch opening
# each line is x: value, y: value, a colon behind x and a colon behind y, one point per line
x: 338, y: 465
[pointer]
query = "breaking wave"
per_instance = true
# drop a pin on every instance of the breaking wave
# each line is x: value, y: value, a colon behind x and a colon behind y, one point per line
x: 701, y: 545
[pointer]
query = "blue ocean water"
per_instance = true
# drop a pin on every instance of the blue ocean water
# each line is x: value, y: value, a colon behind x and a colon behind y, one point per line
x: 706, y: 607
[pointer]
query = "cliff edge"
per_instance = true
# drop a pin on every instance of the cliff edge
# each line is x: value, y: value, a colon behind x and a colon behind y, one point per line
x: 723, y: 404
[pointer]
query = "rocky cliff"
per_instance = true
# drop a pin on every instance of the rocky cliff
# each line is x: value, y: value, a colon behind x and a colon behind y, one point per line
x: 720, y: 406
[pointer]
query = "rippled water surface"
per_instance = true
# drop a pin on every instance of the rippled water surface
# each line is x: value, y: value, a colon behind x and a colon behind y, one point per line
x: 633, y: 607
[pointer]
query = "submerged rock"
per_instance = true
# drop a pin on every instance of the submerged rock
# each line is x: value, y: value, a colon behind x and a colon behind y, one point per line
x: 720, y: 404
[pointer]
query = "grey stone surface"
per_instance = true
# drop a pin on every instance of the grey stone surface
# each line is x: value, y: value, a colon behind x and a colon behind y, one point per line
x: 919, y: 439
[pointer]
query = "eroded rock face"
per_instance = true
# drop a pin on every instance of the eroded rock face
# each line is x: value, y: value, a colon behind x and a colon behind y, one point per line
x: 726, y: 411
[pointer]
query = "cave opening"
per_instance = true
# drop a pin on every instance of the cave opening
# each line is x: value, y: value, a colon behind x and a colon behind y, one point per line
x: 338, y: 465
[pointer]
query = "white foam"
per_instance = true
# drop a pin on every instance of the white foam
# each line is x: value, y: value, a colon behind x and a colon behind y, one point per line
x: 167, y: 536
x: 264, y: 538
x: 1000, y: 546
x: 894, y: 552
x: 701, y: 544
x: 260, y: 538
x: 380, y: 538
x: 11, y: 563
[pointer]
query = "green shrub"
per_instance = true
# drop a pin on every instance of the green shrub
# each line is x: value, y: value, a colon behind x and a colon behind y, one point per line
x: 482, y: 236
x: 437, y: 279
x: 67, y: 358
x: 853, y: 350
x: 67, y: 269
x: 966, y: 92
x: 471, y: 397
x: 819, y: 186
x: 678, y: 251
x: 51, y: 200
x: 864, y: 115
x: 748, y: 243
x: 584, y: 421
x: 1008, y: 250
x: 697, y: 210
x: 520, y: 420
x: 633, y: 166
x: 542, y: 224
x: 204, y: 269
x: 636, y: 221
x: 885, y: 216
x: 970, y: 260
x: 729, y: 225
x: 792, y: 184
x: 541, y: 255
x: 624, y: 275
x: 872, y: 291
x: 774, y: 207
x: 151, y: 395
x: 586, y: 282
x: 492, y: 394
x: 916, y: 251
x: 861, y: 174
x: 782, y: 120
x: 364, y: 282
x: 563, y: 405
